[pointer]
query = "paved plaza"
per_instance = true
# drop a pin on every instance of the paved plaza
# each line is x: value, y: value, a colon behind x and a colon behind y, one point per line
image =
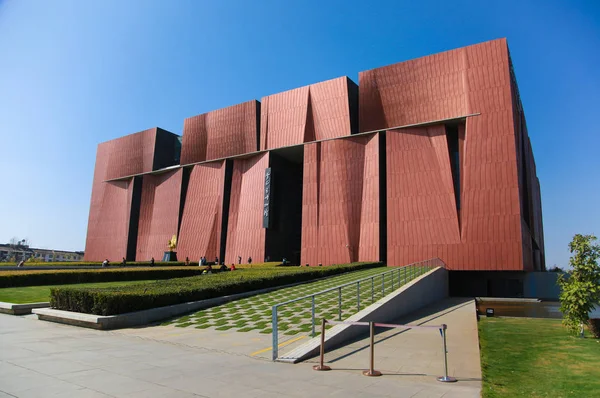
x: 42, y: 359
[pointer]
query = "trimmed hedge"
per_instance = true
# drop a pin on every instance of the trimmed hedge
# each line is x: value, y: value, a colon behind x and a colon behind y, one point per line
x: 120, y: 300
x: 97, y: 264
x: 66, y: 276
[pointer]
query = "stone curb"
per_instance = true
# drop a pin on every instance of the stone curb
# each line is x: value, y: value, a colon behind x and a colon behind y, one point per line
x: 20, y: 309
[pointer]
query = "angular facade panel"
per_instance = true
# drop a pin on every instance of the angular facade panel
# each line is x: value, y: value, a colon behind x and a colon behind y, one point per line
x: 340, y: 222
x: 110, y: 209
x: 200, y: 232
x: 245, y: 232
x: 221, y: 133
x: 484, y: 230
x: 311, y: 113
x: 159, y: 214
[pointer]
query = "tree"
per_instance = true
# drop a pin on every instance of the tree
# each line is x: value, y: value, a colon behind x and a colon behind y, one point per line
x: 580, y: 286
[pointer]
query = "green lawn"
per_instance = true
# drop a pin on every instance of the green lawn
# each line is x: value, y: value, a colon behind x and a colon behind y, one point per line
x: 524, y: 357
x: 34, y: 294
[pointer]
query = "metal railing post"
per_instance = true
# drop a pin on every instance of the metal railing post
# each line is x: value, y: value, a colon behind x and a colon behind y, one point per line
x: 313, y: 315
x: 358, y: 295
x: 372, y: 289
x: 445, y: 378
x: 392, y: 275
x: 321, y: 365
x: 382, y: 285
x: 275, y: 342
x: 372, y: 371
x: 340, y: 303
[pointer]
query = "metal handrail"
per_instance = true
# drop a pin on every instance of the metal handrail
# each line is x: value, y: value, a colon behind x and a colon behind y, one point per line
x: 353, y: 282
x: 410, y: 269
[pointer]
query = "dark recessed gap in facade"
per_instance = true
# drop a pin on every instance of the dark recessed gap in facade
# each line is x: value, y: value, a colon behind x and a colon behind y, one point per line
x: 226, y: 201
x: 454, y: 154
x: 134, y: 218
x: 258, y: 125
x: 382, y: 198
x: 526, y: 199
x: 167, y: 149
x: 353, y: 105
x: 283, y: 237
x: 185, y: 181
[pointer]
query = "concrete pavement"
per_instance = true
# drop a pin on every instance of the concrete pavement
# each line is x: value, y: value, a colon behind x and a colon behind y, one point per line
x: 41, y: 359
x: 417, y: 354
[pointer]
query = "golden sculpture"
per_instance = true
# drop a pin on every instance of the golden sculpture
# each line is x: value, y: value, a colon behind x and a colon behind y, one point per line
x: 172, y: 243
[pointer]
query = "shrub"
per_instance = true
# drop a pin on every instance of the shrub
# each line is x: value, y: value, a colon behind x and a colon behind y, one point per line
x: 66, y: 276
x: 123, y: 299
x: 98, y: 263
x: 580, y: 286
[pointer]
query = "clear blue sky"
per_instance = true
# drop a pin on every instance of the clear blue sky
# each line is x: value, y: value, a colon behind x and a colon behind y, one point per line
x: 76, y: 73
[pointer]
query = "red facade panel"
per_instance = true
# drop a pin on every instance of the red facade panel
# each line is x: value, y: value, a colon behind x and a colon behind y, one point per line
x: 200, y: 232
x: 129, y: 155
x: 110, y: 209
x: 221, y: 133
x: 423, y: 219
x: 316, y: 112
x: 340, y: 220
x: 159, y: 214
x: 245, y: 232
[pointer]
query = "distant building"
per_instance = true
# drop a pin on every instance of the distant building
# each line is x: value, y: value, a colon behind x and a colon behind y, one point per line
x: 57, y: 255
x: 17, y: 253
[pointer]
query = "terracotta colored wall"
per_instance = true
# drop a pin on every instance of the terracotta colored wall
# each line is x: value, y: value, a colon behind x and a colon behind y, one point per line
x: 245, y: 232
x: 110, y: 209
x: 200, y: 232
x: 132, y: 154
x: 486, y: 233
x: 316, y: 112
x: 108, y: 223
x: 224, y: 132
x: 159, y: 214
x: 340, y: 220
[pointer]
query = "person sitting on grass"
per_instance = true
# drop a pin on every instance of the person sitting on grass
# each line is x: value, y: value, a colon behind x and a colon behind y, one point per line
x: 152, y: 262
x: 208, y: 270
x: 124, y: 262
x: 223, y: 267
x: 105, y: 263
x: 232, y: 267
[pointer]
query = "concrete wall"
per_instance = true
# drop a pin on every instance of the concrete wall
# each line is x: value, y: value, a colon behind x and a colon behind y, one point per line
x: 422, y: 291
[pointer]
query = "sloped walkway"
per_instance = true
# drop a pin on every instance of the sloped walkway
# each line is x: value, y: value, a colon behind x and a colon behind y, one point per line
x: 254, y: 313
x: 416, y: 355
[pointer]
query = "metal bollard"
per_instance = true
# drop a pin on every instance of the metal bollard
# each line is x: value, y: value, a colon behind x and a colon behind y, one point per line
x: 321, y: 366
x: 372, y: 372
x: 445, y: 378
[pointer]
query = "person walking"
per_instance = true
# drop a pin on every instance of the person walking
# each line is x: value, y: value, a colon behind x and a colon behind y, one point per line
x: 239, y: 260
x: 152, y: 262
